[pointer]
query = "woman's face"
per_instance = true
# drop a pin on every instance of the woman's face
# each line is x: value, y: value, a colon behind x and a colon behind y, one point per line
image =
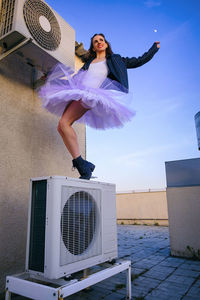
x: 99, y: 43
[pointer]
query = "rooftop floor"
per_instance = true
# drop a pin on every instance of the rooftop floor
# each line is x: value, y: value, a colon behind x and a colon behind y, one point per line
x: 155, y: 274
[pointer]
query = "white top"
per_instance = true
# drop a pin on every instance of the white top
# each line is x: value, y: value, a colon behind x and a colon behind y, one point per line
x: 96, y: 74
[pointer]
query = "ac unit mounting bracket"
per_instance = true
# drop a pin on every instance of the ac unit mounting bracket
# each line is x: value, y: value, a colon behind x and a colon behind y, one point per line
x: 23, y: 284
x: 15, y: 48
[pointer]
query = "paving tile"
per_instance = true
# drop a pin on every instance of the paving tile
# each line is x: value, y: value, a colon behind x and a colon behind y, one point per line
x: 137, y: 257
x: 191, y: 266
x: 113, y: 296
x: 121, y: 292
x: 191, y: 298
x: 173, y: 288
x: 158, y: 294
x: 185, y: 272
x: 78, y: 297
x: 172, y: 262
x: 156, y: 258
x: 137, y: 271
x: 197, y: 283
x: 144, y: 263
x: 148, y: 283
x: 181, y: 279
x: 192, y: 261
x: 100, y: 289
x: 106, y: 285
x: 159, y: 272
x: 194, y: 290
x: 89, y: 294
x: 165, y: 252
x: 137, y: 292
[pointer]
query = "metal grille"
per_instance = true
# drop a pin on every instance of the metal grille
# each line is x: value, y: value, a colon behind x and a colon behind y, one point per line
x: 6, y: 16
x: 78, y: 222
x: 35, y: 9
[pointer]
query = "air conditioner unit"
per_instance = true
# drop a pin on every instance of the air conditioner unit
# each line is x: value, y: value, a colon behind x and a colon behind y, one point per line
x: 71, y: 225
x: 52, y: 39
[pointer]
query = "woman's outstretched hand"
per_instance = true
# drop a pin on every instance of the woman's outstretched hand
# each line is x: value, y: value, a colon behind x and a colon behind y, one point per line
x: 158, y: 46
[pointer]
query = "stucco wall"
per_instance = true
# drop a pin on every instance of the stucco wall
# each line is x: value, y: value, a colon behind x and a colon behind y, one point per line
x: 142, y: 208
x: 184, y: 209
x: 30, y: 147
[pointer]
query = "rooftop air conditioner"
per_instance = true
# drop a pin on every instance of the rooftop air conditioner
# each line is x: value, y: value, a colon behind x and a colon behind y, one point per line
x: 52, y: 39
x: 71, y: 225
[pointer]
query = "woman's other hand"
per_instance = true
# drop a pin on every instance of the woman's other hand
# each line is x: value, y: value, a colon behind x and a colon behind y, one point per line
x: 158, y: 46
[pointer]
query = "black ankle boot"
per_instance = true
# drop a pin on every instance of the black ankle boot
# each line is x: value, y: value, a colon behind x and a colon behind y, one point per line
x: 84, y: 167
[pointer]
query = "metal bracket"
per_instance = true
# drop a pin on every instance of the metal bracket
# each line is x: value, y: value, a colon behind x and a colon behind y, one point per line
x: 15, y: 48
x: 24, y: 285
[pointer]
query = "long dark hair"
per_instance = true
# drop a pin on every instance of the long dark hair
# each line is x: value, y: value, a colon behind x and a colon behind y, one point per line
x: 92, y: 54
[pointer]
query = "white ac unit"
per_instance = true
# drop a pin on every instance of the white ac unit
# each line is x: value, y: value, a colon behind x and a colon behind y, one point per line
x: 71, y: 225
x: 52, y: 39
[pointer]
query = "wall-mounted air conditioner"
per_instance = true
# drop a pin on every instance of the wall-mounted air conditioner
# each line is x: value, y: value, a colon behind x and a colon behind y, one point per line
x: 52, y: 39
x: 71, y: 225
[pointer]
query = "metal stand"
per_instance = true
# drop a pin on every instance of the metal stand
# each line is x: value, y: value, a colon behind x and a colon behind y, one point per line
x: 15, y: 48
x: 24, y: 285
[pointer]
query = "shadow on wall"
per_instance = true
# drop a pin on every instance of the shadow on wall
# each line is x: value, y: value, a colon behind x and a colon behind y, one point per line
x: 13, y: 229
x: 16, y: 73
x: 43, y: 142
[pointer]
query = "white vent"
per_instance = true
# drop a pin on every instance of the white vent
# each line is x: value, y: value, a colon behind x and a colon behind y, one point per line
x: 6, y: 16
x: 72, y: 225
x: 52, y: 38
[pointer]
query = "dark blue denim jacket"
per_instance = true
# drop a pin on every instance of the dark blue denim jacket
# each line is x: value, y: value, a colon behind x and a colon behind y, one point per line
x: 118, y: 65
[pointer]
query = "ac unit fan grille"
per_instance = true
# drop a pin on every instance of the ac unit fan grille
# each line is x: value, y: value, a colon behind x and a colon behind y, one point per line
x: 6, y: 16
x: 78, y: 222
x: 33, y: 10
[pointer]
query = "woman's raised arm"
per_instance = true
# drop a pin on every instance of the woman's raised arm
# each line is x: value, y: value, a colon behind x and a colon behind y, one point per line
x: 135, y: 62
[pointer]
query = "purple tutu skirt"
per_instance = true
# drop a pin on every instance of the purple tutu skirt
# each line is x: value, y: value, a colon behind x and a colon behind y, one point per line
x: 108, y: 106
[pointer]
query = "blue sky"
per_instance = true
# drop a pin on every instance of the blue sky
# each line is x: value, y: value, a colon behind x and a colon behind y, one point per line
x: 166, y: 90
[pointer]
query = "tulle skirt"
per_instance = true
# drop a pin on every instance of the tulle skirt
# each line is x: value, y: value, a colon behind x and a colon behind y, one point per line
x: 108, y: 106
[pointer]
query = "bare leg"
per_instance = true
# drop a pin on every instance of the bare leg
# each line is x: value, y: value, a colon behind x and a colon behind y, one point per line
x: 73, y: 112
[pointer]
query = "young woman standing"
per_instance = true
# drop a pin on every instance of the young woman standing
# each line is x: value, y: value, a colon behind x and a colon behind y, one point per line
x: 97, y: 95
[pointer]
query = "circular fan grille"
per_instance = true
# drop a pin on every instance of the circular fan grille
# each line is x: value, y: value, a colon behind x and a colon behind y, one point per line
x: 78, y: 222
x: 42, y: 24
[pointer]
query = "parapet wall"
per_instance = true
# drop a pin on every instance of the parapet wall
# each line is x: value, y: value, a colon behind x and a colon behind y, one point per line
x: 147, y: 207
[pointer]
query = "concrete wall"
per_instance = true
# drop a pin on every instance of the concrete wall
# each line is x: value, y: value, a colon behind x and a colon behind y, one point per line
x: 184, y: 211
x: 30, y: 147
x: 183, y: 198
x: 148, y: 207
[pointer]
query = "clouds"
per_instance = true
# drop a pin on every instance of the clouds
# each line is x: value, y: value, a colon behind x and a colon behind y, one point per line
x: 178, y: 35
x: 152, y: 3
x: 164, y: 107
x: 143, y: 154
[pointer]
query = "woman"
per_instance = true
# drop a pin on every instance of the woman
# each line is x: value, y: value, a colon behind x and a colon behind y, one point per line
x: 97, y: 95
